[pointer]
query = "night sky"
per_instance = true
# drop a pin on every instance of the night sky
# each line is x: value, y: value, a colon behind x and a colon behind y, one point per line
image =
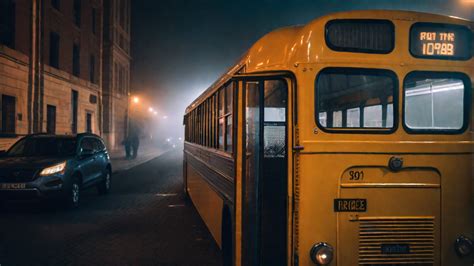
x: 179, y: 47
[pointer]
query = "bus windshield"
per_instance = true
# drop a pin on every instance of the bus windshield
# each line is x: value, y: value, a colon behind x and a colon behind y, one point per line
x: 435, y: 101
x: 355, y: 98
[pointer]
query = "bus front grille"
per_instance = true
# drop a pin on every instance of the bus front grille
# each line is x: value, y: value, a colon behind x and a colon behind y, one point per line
x: 396, y: 241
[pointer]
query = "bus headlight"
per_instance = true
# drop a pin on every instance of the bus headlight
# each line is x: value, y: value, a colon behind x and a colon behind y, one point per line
x: 463, y: 246
x: 322, y: 254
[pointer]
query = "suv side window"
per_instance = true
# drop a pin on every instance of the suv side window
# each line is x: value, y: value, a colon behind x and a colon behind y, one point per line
x: 99, y: 145
x: 88, y: 144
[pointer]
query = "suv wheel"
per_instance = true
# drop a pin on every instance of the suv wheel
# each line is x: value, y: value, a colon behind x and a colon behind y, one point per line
x: 73, y: 197
x: 104, y: 186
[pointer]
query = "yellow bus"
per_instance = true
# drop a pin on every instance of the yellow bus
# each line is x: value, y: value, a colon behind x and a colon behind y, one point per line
x: 346, y: 141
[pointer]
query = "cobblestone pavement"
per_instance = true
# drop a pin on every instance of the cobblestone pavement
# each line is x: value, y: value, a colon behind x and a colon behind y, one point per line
x: 144, y: 221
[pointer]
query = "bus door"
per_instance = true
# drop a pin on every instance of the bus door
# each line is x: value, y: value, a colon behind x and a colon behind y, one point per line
x: 265, y: 173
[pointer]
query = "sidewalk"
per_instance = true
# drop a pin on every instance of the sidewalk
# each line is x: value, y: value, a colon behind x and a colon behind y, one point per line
x: 146, y: 152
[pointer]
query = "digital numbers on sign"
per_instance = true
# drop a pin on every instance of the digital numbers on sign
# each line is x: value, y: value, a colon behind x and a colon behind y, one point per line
x: 440, y: 41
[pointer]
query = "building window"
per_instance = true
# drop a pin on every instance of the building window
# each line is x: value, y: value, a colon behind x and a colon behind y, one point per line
x: 76, y: 63
x: 51, y: 119
x: 122, y: 12
x: 88, y: 122
x: 56, y: 4
x: 92, y: 69
x: 94, y: 20
x: 74, y: 107
x: 7, y: 23
x: 54, y: 49
x: 8, y: 114
x: 77, y: 12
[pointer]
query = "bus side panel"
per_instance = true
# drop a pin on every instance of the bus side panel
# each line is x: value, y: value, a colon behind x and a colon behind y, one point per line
x: 207, y: 202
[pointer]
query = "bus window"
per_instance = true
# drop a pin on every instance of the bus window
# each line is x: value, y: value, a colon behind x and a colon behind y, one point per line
x: 274, y: 119
x: 434, y: 101
x: 228, y: 146
x: 373, y: 116
x: 229, y: 91
x: 323, y: 118
x: 221, y: 133
x: 389, y: 119
x: 353, y: 117
x: 342, y: 92
x: 337, y: 119
x: 221, y: 119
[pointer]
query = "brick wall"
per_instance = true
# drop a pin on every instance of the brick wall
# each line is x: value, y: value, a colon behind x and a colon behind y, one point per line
x: 58, y: 89
x: 14, y: 82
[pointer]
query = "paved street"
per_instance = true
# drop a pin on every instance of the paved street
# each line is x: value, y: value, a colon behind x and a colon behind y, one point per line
x: 144, y: 221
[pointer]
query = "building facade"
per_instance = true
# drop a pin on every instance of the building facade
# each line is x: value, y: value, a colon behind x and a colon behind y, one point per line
x: 116, y: 69
x: 51, y: 67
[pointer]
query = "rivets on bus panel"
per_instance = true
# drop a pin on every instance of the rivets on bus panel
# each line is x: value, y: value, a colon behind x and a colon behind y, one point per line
x: 395, y: 164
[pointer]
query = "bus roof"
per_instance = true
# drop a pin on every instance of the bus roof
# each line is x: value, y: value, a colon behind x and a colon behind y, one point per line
x: 286, y: 48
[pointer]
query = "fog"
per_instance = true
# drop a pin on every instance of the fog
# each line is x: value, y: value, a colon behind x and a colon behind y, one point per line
x: 180, y: 47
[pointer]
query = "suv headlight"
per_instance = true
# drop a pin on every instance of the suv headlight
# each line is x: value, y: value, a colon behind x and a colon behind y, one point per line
x: 55, y: 169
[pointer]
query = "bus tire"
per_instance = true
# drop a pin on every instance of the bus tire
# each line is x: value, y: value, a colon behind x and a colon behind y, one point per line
x: 227, y: 244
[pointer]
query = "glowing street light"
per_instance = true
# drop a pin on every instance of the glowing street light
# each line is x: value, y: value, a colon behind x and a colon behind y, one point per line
x: 151, y: 110
x: 135, y: 100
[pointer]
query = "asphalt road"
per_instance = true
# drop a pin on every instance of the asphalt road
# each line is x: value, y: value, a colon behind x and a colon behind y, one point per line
x: 143, y: 221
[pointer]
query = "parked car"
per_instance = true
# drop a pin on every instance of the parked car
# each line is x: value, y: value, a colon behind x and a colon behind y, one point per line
x: 55, y: 167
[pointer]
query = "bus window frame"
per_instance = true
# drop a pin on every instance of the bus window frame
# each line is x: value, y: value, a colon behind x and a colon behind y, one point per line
x: 446, y: 25
x: 355, y: 49
x: 355, y: 70
x: 467, y: 101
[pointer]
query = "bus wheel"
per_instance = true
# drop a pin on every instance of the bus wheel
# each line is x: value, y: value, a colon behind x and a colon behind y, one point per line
x: 227, y: 246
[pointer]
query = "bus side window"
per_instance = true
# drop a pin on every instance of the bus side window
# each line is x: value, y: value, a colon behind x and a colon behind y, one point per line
x: 275, y: 119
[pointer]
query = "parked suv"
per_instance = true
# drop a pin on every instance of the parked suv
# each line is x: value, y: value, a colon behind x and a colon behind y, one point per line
x: 54, y: 166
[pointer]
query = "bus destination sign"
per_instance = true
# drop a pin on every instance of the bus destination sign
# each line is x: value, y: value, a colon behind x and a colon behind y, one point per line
x: 440, y: 41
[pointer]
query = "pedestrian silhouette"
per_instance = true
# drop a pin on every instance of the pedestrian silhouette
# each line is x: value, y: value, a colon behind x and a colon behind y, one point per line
x: 126, y: 143
x: 134, y: 139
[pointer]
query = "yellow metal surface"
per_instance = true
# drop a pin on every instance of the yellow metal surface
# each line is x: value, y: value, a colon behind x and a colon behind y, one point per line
x: 238, y: 183
x: 207, y: 202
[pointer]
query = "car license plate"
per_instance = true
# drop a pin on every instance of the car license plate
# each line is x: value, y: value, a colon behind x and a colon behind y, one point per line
x: 13, y: 186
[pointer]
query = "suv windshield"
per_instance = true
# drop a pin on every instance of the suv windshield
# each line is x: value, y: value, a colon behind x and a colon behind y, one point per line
x: 43, y: 146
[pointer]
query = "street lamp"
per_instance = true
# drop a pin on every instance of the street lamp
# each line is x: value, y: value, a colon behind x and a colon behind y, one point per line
x: 135, y: 100
x: 151, y: 110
